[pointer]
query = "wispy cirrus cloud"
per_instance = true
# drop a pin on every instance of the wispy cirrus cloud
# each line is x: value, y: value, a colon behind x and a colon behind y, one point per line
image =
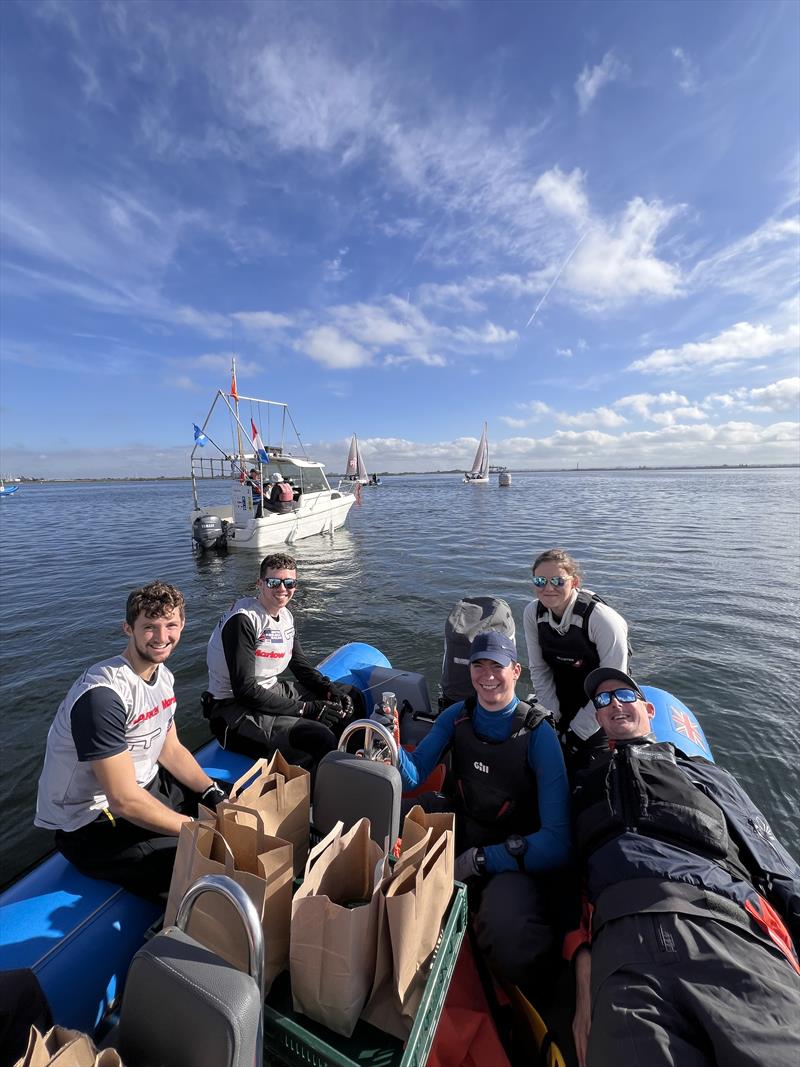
x: 688, y: 75
x: 592, y: 79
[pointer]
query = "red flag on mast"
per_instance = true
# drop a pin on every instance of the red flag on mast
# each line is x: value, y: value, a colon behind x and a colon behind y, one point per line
x: 234, y: 393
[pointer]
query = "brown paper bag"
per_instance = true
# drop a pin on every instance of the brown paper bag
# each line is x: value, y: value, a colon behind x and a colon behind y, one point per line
x: 281, y: 793
x: 421, y: 830
x: 235, y: 844
x: 60, y: 1047
x: 334, y: 928
x: 413, y: 901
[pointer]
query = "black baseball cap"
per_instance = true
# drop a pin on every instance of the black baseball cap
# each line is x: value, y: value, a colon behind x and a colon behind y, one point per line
x: 609, y: 674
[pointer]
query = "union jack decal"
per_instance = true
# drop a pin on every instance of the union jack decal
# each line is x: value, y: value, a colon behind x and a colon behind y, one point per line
x: 687, y: 725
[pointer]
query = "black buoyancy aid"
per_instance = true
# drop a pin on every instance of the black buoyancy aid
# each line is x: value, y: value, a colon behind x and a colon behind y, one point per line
x: 641, y: 789
x: 496, y: 791
x: 570, y: 656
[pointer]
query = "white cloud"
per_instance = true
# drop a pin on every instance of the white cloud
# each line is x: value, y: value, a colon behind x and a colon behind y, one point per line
x: 740, y: 343
x: 334, y: 270
x: 592, y: 79
x: 783, y: 395
x: 617, y: 261
x: 328, y: 346
x: 688, y: 81
x: 565, y: 352
x: 563, y: 194
x: 602, y: 416
x: 763, y: 263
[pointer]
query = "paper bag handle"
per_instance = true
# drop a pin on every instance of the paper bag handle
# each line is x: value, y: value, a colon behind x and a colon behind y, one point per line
x: 250, y: 776
x: 315, y: 853
x: 230, y: 864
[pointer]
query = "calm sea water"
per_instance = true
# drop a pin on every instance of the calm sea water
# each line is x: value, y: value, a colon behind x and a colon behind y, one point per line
x: 705, y: 566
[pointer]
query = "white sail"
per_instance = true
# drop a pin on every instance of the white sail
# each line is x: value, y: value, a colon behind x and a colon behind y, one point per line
x: 356, y: 469
x: 480, y: 465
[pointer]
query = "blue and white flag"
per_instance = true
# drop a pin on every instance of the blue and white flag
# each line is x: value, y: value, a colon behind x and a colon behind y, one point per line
x: 199, y: 437
x: 258, y: 444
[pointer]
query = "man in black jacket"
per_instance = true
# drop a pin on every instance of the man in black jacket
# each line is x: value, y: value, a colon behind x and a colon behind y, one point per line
x: 688, y: 952
x: 252, y: 707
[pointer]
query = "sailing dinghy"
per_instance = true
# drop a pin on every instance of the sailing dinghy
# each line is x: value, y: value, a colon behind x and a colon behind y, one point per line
x: 356, y: 469
x: 480, y: 465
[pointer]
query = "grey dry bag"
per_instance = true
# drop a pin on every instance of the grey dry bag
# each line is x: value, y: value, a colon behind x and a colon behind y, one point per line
x: 470, y: 616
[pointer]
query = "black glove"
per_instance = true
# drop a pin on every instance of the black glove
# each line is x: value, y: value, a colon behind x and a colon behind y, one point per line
x: 214, y: 795
x: 324, y: 711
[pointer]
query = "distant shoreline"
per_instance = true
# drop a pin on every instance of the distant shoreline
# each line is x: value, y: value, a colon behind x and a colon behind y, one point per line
x: 454, y: 471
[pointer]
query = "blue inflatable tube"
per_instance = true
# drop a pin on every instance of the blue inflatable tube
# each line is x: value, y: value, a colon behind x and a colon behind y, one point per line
x: 78, y: 934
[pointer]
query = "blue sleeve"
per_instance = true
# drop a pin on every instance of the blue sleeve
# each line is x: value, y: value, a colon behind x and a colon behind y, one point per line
x: 550, y: 845
x: 417, y: 765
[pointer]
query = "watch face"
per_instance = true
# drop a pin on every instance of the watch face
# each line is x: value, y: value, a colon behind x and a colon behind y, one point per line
x: 516, y: 845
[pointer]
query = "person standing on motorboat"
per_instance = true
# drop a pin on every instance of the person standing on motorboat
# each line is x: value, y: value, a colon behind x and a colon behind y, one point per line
x: 254, y: 481
x: 511, y: 800
x: 117, y: 784
x: 250, y: 707
x: 281, y: 497
x: 569, y: 632
x: 688, y: 950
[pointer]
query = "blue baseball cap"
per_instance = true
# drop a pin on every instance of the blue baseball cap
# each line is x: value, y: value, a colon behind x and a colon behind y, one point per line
x: 494, y: 646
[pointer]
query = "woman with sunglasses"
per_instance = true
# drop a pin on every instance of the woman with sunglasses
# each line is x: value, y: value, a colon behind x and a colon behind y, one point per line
x: 251, y: 705
x: 569, y: 632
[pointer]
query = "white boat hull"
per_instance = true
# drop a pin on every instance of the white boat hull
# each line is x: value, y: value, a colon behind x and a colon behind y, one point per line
x: 476, y: 481
x: 318, y: 513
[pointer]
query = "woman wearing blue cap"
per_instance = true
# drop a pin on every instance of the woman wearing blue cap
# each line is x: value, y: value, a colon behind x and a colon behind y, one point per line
x: 511, y: 800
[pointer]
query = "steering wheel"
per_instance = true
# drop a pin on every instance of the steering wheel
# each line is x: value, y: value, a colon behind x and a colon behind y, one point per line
x: 379, y: 743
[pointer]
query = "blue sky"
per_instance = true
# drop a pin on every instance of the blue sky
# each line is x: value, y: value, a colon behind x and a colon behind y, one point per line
x: 578, y: 221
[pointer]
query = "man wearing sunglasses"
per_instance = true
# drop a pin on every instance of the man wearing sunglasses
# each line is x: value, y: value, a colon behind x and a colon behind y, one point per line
x: 252, y: 707
x: 688, y: 950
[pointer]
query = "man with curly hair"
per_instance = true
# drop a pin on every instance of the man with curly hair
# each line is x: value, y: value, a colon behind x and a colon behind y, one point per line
x: 117, y: 784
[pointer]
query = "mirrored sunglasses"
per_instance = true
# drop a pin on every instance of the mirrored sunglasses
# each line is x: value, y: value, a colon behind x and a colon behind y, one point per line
x: 624, y: 696
x: 540, y: 582
x: 274, y: 583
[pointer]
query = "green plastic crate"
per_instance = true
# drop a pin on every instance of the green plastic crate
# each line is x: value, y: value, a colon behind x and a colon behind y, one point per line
x: 293, y: 1039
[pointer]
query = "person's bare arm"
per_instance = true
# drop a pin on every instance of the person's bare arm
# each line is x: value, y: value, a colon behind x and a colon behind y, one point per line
x: 181, y: 764
x: 127, y: 799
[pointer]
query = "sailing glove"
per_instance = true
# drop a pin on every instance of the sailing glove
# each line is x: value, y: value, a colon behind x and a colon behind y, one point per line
x: 327, y: 712
x: 466, y: 866
x: 213, y: 795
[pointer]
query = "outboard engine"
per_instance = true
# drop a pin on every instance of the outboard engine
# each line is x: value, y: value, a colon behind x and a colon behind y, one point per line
x: 209, y: 531
x: 470, y: 616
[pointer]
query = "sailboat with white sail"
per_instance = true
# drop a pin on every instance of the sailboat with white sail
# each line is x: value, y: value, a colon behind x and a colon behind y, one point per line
x: 356, y: 469
x: 479, y: 475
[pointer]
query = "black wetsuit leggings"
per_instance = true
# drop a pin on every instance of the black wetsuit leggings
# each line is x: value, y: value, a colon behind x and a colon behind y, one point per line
x: 140, y: 860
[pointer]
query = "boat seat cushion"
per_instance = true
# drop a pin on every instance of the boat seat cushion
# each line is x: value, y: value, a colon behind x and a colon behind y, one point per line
x: 349, y: 789
x: 186, y: 1007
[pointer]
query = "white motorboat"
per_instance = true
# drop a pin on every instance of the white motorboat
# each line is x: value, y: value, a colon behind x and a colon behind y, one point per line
x: 480, y: 465
x: 356, y: 469
x: 251, y: 521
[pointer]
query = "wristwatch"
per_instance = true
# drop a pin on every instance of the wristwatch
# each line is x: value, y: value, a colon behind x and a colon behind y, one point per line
x: 480, y: 861
x: 516, y: 846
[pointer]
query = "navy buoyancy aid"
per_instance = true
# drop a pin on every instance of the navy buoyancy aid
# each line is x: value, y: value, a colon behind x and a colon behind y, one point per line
x: 496, y: 791
x: 641, y: 789
x: 570, y: 656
